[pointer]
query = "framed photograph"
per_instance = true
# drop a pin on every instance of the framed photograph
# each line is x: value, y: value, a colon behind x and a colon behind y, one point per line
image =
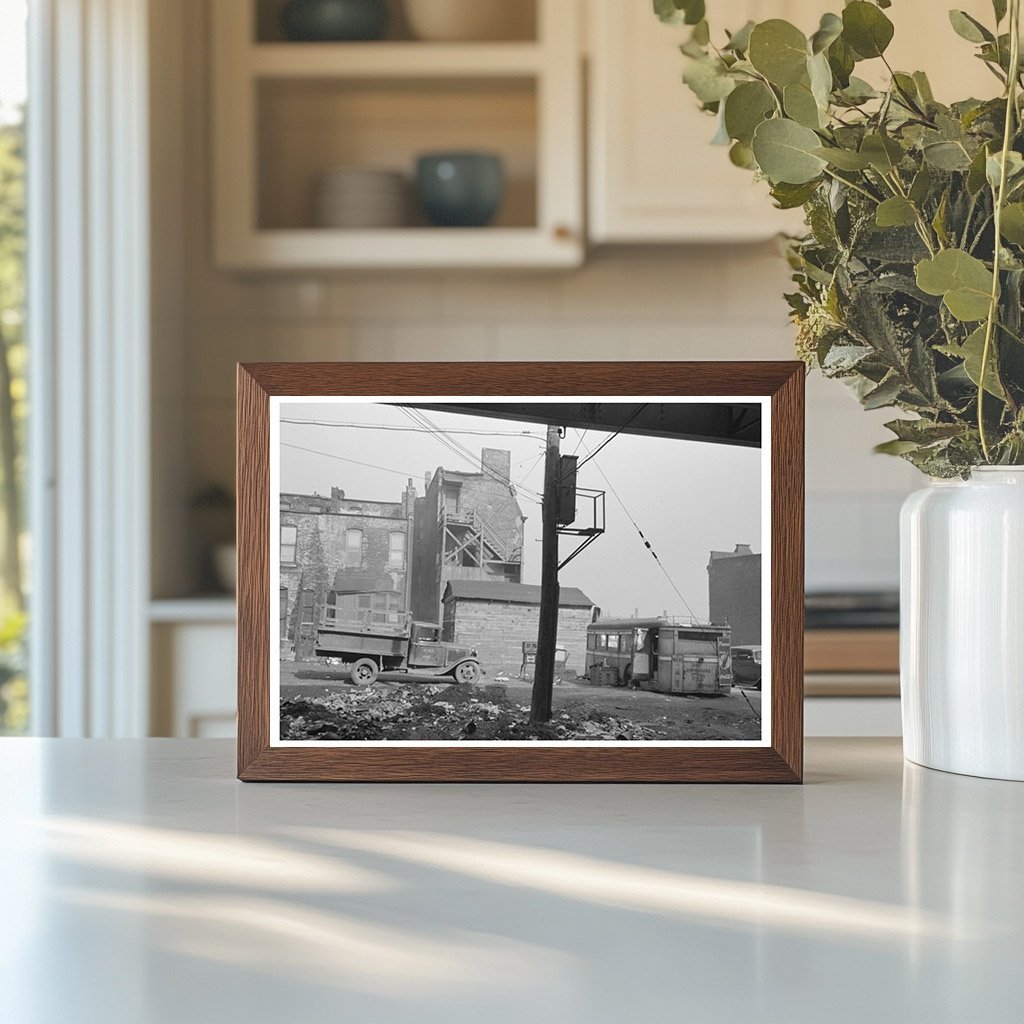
x: 517, y: 572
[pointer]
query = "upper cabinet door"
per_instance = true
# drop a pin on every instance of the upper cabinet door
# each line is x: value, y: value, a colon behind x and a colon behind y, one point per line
x: 653, y: 174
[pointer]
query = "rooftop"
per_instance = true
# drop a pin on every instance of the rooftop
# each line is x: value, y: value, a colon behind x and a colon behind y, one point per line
x: 512, y: 593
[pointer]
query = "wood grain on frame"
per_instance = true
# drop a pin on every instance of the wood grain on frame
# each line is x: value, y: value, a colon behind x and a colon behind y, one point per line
x: 782, y: 761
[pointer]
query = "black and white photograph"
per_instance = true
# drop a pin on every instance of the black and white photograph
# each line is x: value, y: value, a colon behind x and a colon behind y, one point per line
x: 508, y: 571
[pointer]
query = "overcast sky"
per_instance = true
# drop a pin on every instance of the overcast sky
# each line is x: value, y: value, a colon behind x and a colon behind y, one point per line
x: 689, y: 498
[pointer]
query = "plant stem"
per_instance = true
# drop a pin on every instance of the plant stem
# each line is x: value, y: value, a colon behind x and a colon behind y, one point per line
x: 922, y: 225
x: 993, y: 309
x: 849, y: 184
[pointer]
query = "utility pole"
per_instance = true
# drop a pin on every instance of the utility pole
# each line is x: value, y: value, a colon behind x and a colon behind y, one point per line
x: 547, y: 631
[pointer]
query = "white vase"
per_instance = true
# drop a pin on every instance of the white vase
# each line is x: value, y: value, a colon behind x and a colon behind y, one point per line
x: 962, y: 624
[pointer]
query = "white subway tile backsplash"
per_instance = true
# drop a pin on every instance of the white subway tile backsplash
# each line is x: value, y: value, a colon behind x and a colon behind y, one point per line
x: 508, y: 297
x: 645, y: 285
x: 248, y: 298
x: 411, y: 342
x: 413, y: 296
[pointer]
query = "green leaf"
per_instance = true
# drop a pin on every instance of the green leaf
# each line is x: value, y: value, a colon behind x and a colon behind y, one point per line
x: 921, y: 185
x: 999, y: 7
x: 1012, y: 225
x: 896, y: 212
x: 841, y: 60
x: 820, y: 76
x: 741, y: 155
x: 785, y: 152
x: 708, y: 80
x: 939, y: 220
x: 858, y: 91
x: 882, y: 153
x: 1014, y: 169
x: 963, y: 281
x: 896, y: 447
x: 739, y: 41
x: 745, y: 108
x: 844, y: 159
x: 885, y: 394
x: 969, y: 28
x: 778, y: 50
x: 829, y: 30
x: 924, y: 87
x: 923, y: 431
x: 866, y: 29
x: 947, y: 156
x: 976, y: 173
x: 971, y: 352
x: 789, y: 197
x: 800, y: 105
x: 676, y: 12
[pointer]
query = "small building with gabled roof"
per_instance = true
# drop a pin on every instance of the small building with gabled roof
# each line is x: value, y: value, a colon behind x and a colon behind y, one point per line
x: 496, y: 618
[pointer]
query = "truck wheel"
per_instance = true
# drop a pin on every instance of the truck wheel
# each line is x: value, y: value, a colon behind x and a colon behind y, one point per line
x: 466, y: 672
x: 364, y: 671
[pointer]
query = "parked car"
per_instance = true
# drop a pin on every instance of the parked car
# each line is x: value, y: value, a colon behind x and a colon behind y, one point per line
x: 746, y: 665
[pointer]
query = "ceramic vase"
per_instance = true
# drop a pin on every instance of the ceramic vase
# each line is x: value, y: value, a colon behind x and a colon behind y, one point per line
x: 962, y: 624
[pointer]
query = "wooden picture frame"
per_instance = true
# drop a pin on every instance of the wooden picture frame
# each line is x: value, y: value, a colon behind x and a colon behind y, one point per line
x: 779, y: 386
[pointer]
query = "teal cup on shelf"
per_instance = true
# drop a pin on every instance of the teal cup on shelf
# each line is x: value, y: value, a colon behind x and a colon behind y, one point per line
x: 460, y: 189
x: 334, y: 21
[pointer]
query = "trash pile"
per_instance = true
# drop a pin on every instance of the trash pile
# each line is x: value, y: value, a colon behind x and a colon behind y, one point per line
x: 395, y: 711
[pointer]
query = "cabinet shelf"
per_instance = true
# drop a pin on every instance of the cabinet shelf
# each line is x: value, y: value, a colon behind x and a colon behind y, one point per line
x: 310, y: 248
x: 392, y: 60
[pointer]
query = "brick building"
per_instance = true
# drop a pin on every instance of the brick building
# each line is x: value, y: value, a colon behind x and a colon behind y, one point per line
x: 734, y: 592
x: 469, y: 526
x: 326, y: 541
x: 496, y: 618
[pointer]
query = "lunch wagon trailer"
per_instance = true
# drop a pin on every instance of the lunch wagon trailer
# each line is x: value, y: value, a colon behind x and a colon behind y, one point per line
x: 661, y: 654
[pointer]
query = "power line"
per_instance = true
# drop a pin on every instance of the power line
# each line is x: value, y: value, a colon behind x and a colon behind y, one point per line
x: 355, y: 462
x: 462, y: 452
x: 419, y: 430
x: 647, y: 544
x: 608, y: 440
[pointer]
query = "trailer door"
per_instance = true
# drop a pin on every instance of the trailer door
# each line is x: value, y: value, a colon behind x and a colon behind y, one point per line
x: 696, y: 663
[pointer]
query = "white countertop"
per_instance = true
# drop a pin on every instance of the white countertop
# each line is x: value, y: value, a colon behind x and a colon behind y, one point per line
x: 143, y: 885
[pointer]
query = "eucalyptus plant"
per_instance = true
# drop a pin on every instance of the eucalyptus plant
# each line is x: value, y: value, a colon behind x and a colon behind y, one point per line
x: 910, y: 278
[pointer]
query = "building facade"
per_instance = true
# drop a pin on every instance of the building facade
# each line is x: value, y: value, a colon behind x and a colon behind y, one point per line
x: 326, y: 541
x: 496, y: 618
x: 734, y: 593
x: 469, y: 526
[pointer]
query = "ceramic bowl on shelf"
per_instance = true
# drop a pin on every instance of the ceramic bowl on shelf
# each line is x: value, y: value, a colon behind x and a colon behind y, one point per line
x: 361, y: 198
x: 469, y: 20
x: 334, y: 21
x: 460, y: 189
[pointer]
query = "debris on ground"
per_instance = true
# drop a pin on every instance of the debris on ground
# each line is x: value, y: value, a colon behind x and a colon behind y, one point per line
x: 396, y: 711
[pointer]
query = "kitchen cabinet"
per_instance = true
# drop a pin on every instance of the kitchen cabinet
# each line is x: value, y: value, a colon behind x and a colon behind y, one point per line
x: 653, y: 175
x: 286, y: 113
x: 192, y: 648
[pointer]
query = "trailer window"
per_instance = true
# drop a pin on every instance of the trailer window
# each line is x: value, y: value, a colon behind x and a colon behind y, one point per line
x: 613, y: 641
